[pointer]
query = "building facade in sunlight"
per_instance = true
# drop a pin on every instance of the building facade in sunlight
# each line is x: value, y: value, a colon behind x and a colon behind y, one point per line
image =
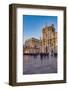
x: 49, y: 40
x: 46, y: 44
x: 32, y: 45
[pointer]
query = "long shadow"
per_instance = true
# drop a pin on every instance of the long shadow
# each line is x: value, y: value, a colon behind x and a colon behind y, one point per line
x: 44, y: 56
x: 35, y: 56
x: 55, y: 54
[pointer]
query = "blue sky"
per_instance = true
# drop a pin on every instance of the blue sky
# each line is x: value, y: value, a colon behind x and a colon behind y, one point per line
x: 33, y: 25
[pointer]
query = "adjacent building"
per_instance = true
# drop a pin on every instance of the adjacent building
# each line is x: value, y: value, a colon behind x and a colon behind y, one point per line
x: 32, y: 45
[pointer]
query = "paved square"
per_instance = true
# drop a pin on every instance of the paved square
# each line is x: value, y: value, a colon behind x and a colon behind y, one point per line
x: 35, y: 64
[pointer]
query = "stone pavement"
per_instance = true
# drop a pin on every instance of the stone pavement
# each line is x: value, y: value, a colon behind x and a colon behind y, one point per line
x: 39, y: 65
